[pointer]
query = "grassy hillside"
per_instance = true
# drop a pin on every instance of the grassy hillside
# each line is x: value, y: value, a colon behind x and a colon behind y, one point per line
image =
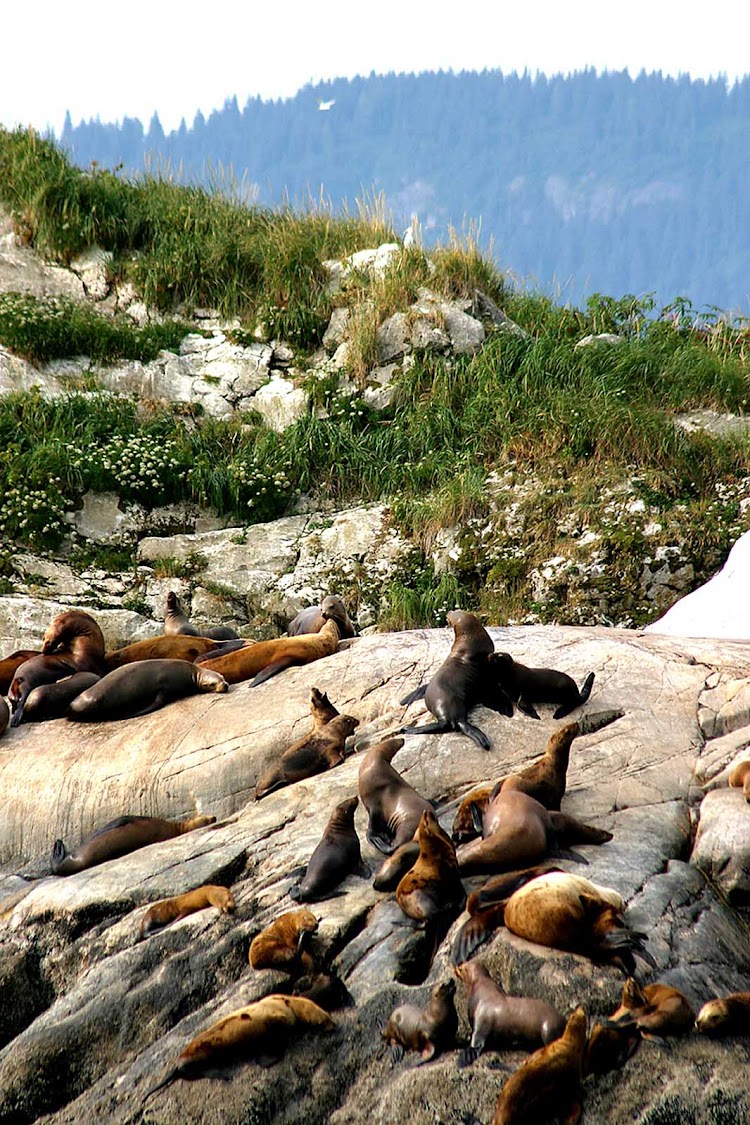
x: 533, y: 450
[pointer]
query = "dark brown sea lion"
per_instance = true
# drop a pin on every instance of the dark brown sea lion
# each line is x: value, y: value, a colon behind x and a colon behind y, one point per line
x: 9, y: 665
x: 430, y: 1030
x: 335, y: 857
x: 140, y: 688
x: 284, y: 943
x: 119, y: 837
x: 172, y: 909
x: 739, y: 778
x: 160, y: 648
x: 319, y: 750
x: 433, y: 886
x: 323, y: 988
x: 462, y: 681
x: 728, y: 1015
x: 547, y: 1087
x: 394, y: 807
x: 263, y: 659
x: 501, y: 1021
x: 313, y: 619
x: 655, y: 1009
x: 72, y: 643
x: 527, y: 686
x: 176, y: 623
x: 609, y: 1048
x: 51, y: 701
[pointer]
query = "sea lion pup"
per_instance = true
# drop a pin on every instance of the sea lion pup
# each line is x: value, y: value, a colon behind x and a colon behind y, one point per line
x: 394, y: 807
x: 462, y: 681
x: 319, y: 750
x: 502, y: 1021
x: 73, y: 642
x: 336, y: 856
x: 51, y: 701
x: 396, y: 865
x: 429, y: 1030
x: 433, y: 886
x: 656, y: 1010
x: 518, y: 832
x: 527, y: 686
x: 284, y: 943
x: 172, y: 909
x: 176, y: 623
x: 486, y: 907
x: 568, y: 912
x: 312, y: 619
x: 9, y: 665
x: 263, y: 659
x: 324, y: 989
x: 728, y: 1015
x: 160, y: 648
x: 547, y: 1087
x: 739, y: 778
x: 140, y: 688
x: 119, y: 837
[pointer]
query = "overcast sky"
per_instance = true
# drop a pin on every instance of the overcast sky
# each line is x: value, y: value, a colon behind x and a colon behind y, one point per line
x: 134, y: 58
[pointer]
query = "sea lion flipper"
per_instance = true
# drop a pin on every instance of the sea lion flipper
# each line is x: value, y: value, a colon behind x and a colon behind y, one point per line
x: 271, y: 670
x: 497, y: 699
x: 397, y: 1053
x: 413, y: 696
x: 380, y: 841
x: 467, y: 1057
x: 529, y: 709
x: 476, y: 818
x: 474, y: 733
x: 364, y: 870
x: 428, y: 728
x: 59, y: 852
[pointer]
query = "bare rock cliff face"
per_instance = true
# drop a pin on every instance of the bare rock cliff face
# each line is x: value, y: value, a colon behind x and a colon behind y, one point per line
x: 93, y: 1019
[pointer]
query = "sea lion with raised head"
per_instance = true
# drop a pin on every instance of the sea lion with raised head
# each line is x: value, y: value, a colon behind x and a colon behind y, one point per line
x: 547, y: 1087
x: 433, y: 886
x: 51, y: 701
x: 257, y: 661
x: 463, y: 681
x: 501, y: 1021
x: 430, y: 1030
x: 527, y: 686
x: 394, y: 807
x: 654, y: 1009
x: 140, y: 688
x: 284, y: 944
x: 319, y: 750
x: 336, y: 856
x: 312, y: 619
x: 176, y: 623
x: 172, y: 909
x: 727, y: 1015
x: 175, y: 647
x: 73, y: 642
x: 120, y: 837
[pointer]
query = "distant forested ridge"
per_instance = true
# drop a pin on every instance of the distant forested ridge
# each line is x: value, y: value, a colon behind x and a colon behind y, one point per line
x: 585, y: 183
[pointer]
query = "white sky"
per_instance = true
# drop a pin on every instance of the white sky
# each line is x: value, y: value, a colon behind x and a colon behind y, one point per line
x: 129, y: 59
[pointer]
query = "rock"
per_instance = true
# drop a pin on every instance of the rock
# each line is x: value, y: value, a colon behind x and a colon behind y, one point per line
x: 466, y: 334
x: 393, y: 339
x: 281, y: 404
x: 93, y: 269
x: 337, y: 329
x: 600, y: 338
x: 722, y: 844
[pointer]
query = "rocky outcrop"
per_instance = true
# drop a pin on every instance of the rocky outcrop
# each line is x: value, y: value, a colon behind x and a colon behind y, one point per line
x: 101, y: 1017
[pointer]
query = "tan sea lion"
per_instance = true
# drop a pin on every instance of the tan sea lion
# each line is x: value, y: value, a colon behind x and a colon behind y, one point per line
x: 319, y: 750
x: 142, y: 687
x: 176, y: 623
x: 284, y: 943
x: 527, y: 686
x: 462, y: 681
x: 430, y: 1030
x: 257, y: 661
x: 119, y: 837
x: 739, y: 778
x: 313, y: 619
x: 51, y: 701
x: 396, y: 865
x: 73, y: 642
x: 336, y: 856
x: 501, y: 1021
x: 728, y: 1015
x: 433, y: 886
x: 172, y: 909
x: 655, y: 1009
x: 160, y: 648
x: 9, y: 665
x: 394, y: 807
x: 547, y: 1087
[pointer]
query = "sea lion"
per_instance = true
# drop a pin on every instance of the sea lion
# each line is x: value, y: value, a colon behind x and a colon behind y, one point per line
x: 323, y: 988
x: 73, y: 642
x: 263, y: 659
x: 739, y: 778
x: 172, y: 909
x: 396, y: 865
x: 547, y: 1087
x: 176, y: 623
x: 728, y: 1015
x: 335, y: 857
x: 501, y: 1021
x: 51, y: 701
x: 394, y: 807
x: 429, y: 1030
x: 486, y: 907
x: 312, y: 619
x: 655, y: 1009
x: 174, y: 647
x: 609, y: 1048
x: 567, y: 912
x: 284, y: 943
x: 4, y: 716
x: 527, y: 686
x: 140, y: 688
x: 462, y: 682
x: 464, y: 827
x: 9, y: 665
x: 119, y: 837
x: 433, y: 886
x: 320, y: 749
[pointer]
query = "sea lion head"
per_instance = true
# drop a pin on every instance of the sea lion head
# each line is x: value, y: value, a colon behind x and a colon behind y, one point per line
x: 632, y: 994
x: 66, y: 626
x: 305, y: 920
x: 321, y: 704
x: 470, y: 633
x: 343, y: 814
x: 198, y: 822
x: 333, y: 608
x: 711, y: 1019
x: 173, y: 602
x: 208, y: 680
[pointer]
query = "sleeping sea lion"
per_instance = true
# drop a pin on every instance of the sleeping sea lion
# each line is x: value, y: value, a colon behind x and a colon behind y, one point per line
x: 655, y: 1009
x: 313, y: 619
x: 9, y: 665
x: 394, y: 807
x: 527, y: 686
x: 284, y: 943
x: 172, y: 909
x: 176, y: 623
x: 464, y: 827
x: 174, y: 647
x: 51, y: 701
x: 142, y: 687
x: 336, y: 856
x: 433, y: 886
x: 73, y: 642
x: 728, y: 1015
x: 259, y: 660
x: 501, y: 1021
x: 320, y: 749
x: 119, y: 837
x: 429, y: 1030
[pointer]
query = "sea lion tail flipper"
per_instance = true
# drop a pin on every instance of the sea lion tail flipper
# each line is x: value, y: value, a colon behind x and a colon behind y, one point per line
x: 474, y: 733
x: 476, y: 818
x: 527, y: 708
x: 413, y: 696
x: 568, y: 830
x: 364, y: 870
x: 567, y: 853
x: 586, y: 687
x: 397, y: 1053
x: 271, y: 670
x: 59, y: 853
x: 428, y: 728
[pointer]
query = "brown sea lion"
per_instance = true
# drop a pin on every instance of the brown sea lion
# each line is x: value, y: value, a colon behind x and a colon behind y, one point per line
x: 119, y: 837
x: 433, y: 886
x: 172, y: 909
x: 142, y: 687
x: 547, y: 1087
x: 608, y: 1048
x: 323, y: 988
x: 284, y: 943
x: 527, y: 686
x: 464, y: 827
x: 396, y: 865
x: 320, y: 749
x: 9, y: 665
x: 394, y: 807
x: 312, y: 619
x: 335, y: 857
x: 263, y: 659
x: 174, y: 647
x: 501, y: 1021
x: 462, y: 682
x: 739, y: 778
x: 4, y: 716
x: 567, y: 912
x: 728, y: 1015
x: 655, y: 1009
x: 429, y: 1030
x: 176, y: 623
x: 486, y: 907
x: 51, y: 701
x: 73, y: 642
